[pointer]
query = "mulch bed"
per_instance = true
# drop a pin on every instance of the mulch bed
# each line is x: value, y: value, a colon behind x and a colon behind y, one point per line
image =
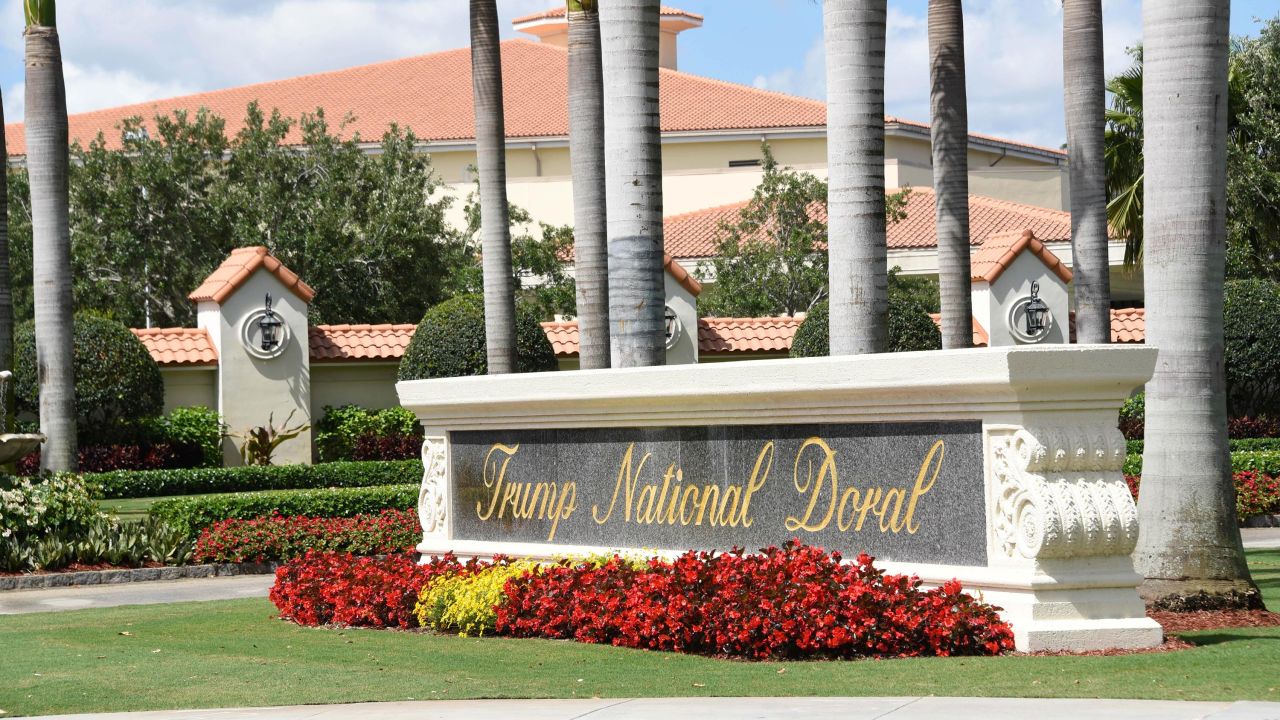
x: 1175, y: 623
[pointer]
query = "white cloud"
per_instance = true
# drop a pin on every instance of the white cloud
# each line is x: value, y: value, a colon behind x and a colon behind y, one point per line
x: 153, y: 48
x: 1013, y: 58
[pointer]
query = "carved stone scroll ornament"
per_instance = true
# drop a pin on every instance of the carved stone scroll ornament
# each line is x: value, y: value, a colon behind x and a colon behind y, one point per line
x: 1060, y: 493
x: 431, y: 496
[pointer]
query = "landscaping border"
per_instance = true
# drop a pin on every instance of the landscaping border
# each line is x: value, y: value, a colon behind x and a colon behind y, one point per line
x: 131, y: 575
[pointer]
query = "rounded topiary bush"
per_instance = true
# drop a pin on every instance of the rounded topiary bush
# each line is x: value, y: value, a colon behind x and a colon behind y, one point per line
x: 450, y: 342
x: 1251, y: 329
x: 116, y: 379
x: 910, y: 328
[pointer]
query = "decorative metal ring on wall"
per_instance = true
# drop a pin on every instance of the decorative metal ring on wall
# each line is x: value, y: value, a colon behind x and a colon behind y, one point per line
x: 1017, y: 323
x: 251, y: 336
x: 675, y: 328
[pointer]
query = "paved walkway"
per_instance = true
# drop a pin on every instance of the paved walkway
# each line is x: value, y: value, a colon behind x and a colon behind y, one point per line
x: 899, y: 708
x: 1255, y: 538
x: 138, y: 593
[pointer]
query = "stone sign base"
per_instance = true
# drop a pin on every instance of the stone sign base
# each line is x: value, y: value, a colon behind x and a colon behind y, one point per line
x: 998, y: 467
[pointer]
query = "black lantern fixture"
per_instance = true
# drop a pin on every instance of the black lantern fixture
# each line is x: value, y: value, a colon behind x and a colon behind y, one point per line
x: 270, y: 324
x: 1036, y: 311
x: 672, y: 322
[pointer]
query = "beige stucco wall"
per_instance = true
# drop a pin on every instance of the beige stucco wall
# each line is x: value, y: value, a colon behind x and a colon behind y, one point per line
x: 189, y: 387
x: 252, y: 390
x: 367, y: 384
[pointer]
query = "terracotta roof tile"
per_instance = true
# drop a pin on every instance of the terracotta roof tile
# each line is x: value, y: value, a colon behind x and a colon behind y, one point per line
x: 694, y: 234
x: 560, y: 11
x: 681, y: 276
x: 330, y: 343
x: 1129, y: 325
x: 239, y: 266
x: 563, y: 336
x: 746, y: 335
x: 178, y: 346
x: 999, y: 250
x: 431, y: 94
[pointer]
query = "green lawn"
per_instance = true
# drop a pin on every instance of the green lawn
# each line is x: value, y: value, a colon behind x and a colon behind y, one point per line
x: 132, y: 509
x: 235, y: 653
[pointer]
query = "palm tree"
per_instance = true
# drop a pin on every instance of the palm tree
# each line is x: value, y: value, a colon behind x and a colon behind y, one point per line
x: 633, y: 181
x: 586, y: 153
x: 6, y: 284
x: 949, y: 132
x: 491, y: 162
x: 1123, y: 158
x: 854, y: 35
x: 47, y: 151
x: 1085, y: 104
x: 1190, y: 540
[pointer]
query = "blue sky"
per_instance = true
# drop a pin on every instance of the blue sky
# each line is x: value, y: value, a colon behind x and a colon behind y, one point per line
x: 119, y: 51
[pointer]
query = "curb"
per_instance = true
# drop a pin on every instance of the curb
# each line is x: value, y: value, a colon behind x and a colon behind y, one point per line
x: 130, y: 575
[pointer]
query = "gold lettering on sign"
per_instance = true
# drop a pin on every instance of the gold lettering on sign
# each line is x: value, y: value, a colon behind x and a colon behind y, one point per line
x: 524, y: 500
x: 671, y: 502
x: 851, y: 507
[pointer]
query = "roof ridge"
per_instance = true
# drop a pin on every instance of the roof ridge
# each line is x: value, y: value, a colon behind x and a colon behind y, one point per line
x: 752, y: 88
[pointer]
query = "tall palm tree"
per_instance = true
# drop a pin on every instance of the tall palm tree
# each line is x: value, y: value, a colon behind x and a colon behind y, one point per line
x: 1085, y: 103
x: 1189, y: 540
x: 854, y: 35
x: 1123, y: 158
x: 633, y: 181
x: 6, y: 284
x: 586, y: 153
x: 949, y: 132
x: 491, y: 162
x: 47, y: 150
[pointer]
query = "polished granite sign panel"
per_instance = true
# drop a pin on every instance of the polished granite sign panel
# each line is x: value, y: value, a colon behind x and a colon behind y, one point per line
x: 907, y: 492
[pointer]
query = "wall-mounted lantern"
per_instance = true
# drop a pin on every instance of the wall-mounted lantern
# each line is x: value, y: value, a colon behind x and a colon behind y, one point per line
x: 673, y: 326
x: 1036, y: 311
x: 269, y: 324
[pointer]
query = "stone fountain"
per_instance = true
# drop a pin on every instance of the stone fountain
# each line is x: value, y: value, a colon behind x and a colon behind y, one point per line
x: 14, y: 446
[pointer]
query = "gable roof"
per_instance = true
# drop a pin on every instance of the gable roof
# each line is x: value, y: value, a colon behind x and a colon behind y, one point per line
x: 432, y: 95
x: 680, y: 275
x: 239, y: 266
x: 561, y: 11
x: 694, y: 234
x: 998, y: 251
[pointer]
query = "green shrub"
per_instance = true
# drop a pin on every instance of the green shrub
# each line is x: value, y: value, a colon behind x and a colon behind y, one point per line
x: 340, y: 427
x: 196, y: 427
x: 1237, y: 445
x: 194, y: 481
x: 1135, y: 408
x: 450, y: 342
x: 1251, y: 330
x: 104, y: 540
x: 33, y: 507
x: 910, y: 328
x: 117, y: 382
x: 1266, y: 462
x: 197, y: 513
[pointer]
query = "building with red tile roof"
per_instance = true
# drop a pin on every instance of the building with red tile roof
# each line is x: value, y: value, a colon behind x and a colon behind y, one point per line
x: 179, y: 347
x: 239, y: 266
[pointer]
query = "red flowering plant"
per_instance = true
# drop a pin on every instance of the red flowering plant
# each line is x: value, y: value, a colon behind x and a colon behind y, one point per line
x: 1256, y: 494
x: 284, y: 538
x: 794, y: 601
x: 323, y: 588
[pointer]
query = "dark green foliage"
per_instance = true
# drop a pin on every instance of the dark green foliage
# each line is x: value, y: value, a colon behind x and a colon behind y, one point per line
x: 193, y: 426
x: 910, y: 329
x: 1251, y: 329
x: 104, y: 540
x: 154, y: 483
x: 1238, y: 445
x: 117, y: 382
x: 337, y: 431
x: 194, y: 514
x: 450, y: 342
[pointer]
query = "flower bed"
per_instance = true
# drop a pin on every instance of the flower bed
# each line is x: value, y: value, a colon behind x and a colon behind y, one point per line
x: 794, y: 601
x: 285, y: 538
x: 1256, y: 493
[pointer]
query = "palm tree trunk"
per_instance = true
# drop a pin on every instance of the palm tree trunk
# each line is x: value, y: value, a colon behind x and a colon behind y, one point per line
x: 633, y: 181
x: 491, y: 161
x: 1085, y: 102
x: 854, y: 35
x: 47, y: 157
x: 950, y: 134
x: 6, y: 285
x: 586, y: 153
x: 1190, y: 541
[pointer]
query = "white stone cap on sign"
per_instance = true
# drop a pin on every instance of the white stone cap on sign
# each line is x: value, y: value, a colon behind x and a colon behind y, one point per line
x: 939, y: 385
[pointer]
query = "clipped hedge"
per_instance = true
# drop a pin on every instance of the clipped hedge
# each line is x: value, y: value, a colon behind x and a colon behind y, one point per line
x: 197, y: 513
x: 1237, y: 445
x: 196, y: 481
x: 450, y: 342
x: 1266, y: 462
x: 910, y: 329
